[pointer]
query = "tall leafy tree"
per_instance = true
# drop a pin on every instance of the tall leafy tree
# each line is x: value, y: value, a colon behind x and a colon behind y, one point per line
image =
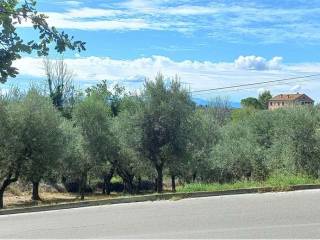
x: 41, y: 136
x: 13, y: 13
x: 130, y: 162
x: 12, y: 160
x: 205, y: 134
x: 93, y: 117
x: 59, y: 80
x: 164, y: 112
x: 264, y: 98
x: 76, y: 160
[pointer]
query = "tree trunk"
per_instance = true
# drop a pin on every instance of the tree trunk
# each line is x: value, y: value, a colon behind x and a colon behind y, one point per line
x: 104, y: 185
x: 194, y: 176
x: 35, y: 191
x: 159, y: 179
x: 129, y: 185
x: 139, y: 185
x: 173, y: 183
x: 107, y: 182
x: 5, y: 184
x: 155, y: 184
x: 1, y: 199
x: 83, y: 184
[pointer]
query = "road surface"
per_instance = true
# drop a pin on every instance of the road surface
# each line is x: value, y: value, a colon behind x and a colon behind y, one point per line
x: 268, y: 215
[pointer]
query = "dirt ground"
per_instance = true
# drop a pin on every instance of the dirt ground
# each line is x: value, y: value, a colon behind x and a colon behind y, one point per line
x: 19, y: 195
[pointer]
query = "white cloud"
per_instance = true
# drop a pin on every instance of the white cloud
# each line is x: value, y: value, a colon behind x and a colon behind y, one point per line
x: 296, y: 88
x: 124, y: 24
x: 258, y: 63
x: 197, y: 74
x: 71, y: 3
x: 87, y: 12
x: 244, y: 22
x: 261, y: 90
x: 94, y: 19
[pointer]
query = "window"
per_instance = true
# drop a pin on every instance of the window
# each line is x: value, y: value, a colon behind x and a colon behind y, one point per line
x: 282, y: 103
x: 270, y: 103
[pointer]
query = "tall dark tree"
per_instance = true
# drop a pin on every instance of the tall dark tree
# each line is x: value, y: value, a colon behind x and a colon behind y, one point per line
x: 13, y: 13
x: 59, y: 80
x: 264, y: 98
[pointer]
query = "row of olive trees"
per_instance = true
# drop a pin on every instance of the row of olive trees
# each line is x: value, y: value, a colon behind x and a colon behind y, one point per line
x: 107, y: 132
x: 268, y: 141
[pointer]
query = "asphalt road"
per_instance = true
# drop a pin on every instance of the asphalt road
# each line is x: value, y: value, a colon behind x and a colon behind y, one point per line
x: 268, y: 215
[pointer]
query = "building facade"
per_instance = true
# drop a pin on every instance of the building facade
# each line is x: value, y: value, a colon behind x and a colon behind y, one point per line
x: 289, y: 100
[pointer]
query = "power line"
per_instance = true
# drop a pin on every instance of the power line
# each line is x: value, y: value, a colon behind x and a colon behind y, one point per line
x: 254, y: 84
x: 249, y: 88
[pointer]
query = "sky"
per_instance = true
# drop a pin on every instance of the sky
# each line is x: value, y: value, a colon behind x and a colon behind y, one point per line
x: 207, y: 43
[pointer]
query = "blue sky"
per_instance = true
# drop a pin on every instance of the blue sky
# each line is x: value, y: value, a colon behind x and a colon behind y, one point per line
x: 208, y: 43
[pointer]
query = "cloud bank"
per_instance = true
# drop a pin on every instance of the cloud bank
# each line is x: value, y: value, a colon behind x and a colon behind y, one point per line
x: 195, y: 75
x: 258, y: 63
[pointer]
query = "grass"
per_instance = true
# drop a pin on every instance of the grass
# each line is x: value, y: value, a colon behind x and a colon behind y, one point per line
x: 276, y: 181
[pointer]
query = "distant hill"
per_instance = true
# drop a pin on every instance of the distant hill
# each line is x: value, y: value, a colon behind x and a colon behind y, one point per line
x: 201, y: 101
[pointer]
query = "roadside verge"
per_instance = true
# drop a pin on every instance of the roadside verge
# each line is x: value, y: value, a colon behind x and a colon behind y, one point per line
x: 151, y: 197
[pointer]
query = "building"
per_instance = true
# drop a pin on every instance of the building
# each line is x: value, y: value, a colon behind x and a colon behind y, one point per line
x: 287, y: 100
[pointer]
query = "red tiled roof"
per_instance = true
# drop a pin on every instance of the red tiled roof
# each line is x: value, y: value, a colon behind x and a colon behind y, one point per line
x: 291, y: 97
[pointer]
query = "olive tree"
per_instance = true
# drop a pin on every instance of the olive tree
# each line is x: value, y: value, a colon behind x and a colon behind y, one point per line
x: 11, y: 147
x: 164, y: 112
x: 130, y: 162
x: 41, y: 136
x: 232, y: 158
x: 76, y: 161
x: 93, y: 117
x: 205, y: 134
x: 296, y: 141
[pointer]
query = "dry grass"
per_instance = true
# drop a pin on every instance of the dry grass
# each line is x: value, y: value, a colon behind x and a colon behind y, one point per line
x: 19, y: 195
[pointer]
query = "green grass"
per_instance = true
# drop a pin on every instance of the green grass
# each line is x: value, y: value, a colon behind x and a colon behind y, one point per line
x: 276, y: 181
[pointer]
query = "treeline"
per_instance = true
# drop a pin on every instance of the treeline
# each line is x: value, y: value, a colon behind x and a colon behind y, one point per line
x: 63, y: 136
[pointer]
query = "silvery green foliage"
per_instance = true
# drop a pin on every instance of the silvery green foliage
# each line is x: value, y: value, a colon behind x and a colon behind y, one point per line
x: 126, y: 130
x: 76, y: 159
x: 205, y: 134
x: 41, y: 135
x: 11, y: 145
x: 296, y: 140
x: 93, y: 117
x: 166, y: 111
x: 232, y: 157
x: 269, y: 141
